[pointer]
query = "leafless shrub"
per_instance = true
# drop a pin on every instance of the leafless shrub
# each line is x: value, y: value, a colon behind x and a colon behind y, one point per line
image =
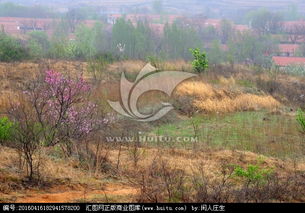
x: 26, y: 138
x: 93, y: 155
x: 161, y: 183
x: 276, y: 189
x: 135, y: 151
x: 211, y: 191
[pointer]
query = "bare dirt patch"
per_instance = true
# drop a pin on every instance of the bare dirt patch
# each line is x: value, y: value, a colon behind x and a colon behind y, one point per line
x: 58, y: 196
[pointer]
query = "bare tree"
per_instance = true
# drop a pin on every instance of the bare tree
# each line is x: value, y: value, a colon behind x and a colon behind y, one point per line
x: 74, y: 18
x: 295, y: 32
x: 26, y: 134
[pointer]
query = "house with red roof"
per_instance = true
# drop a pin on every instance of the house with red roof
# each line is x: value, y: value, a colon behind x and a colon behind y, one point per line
x: 213, y: 22
x: 292, y: 25
x: 216, y: 23
x: 241, y: 27
x: 288, y: 50
x: 288, y: 61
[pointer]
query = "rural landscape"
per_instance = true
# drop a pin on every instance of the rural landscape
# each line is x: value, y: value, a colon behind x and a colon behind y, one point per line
x: 152, y: 101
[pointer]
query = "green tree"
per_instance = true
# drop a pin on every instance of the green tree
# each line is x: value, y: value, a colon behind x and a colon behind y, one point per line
x: 264, y: 21
x: 100, y: 41
x: 59, y: 44
x: 178, y: 39
x: 226, y: 31
x: 38, y: 44
x: 252, y: 49
x: 145, y: 44
x: 138, y: 40
x: 123, y: 32
x: 11, y: 49
x: 200, y: 62
x: 208, y: 33
x: 85, y: 42
x: 215, y: 54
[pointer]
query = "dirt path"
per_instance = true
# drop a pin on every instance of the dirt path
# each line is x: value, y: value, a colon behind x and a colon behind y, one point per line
x: 70, y: 196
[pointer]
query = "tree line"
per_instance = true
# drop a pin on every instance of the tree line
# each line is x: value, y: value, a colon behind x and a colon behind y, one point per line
x: 73, y: 40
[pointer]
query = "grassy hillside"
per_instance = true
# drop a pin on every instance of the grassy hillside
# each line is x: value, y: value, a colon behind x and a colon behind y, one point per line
x: 251, y: 147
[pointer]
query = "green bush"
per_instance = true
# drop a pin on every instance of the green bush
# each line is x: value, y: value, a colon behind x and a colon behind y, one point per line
x: 200, y: 62
x: 11, y: 49
x: 253, y: 173
x: 38, y: 44
x: 5, y: 129
x: 301, y: 120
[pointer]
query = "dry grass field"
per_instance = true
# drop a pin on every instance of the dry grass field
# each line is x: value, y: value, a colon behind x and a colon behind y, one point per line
x: 208, y: 99
x: 242, y: 119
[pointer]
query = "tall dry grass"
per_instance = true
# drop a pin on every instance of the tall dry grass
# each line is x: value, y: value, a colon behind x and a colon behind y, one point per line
x: 209, y: 99
x: 130, y: 66
x: 135, y: 66
x: 177, y: 65
x: 243, y: 102
x: 6, y: 99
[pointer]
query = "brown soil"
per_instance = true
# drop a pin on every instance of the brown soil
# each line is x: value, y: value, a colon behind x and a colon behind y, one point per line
x: 58, y: 196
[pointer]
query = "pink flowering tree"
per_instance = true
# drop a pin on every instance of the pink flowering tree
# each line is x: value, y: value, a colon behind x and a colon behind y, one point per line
x: 63, y: 108
x: 55, y: 110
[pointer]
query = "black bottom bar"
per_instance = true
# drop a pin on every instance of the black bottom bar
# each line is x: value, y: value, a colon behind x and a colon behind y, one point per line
x: 136, y: 207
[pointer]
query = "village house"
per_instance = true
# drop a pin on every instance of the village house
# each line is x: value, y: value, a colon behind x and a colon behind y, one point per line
x: 288, y: 50
x: 282, y: 62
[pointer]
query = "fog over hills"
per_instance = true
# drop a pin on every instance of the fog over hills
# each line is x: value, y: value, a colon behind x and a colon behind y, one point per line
x: 173, y: 6
x: 185, y: 3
